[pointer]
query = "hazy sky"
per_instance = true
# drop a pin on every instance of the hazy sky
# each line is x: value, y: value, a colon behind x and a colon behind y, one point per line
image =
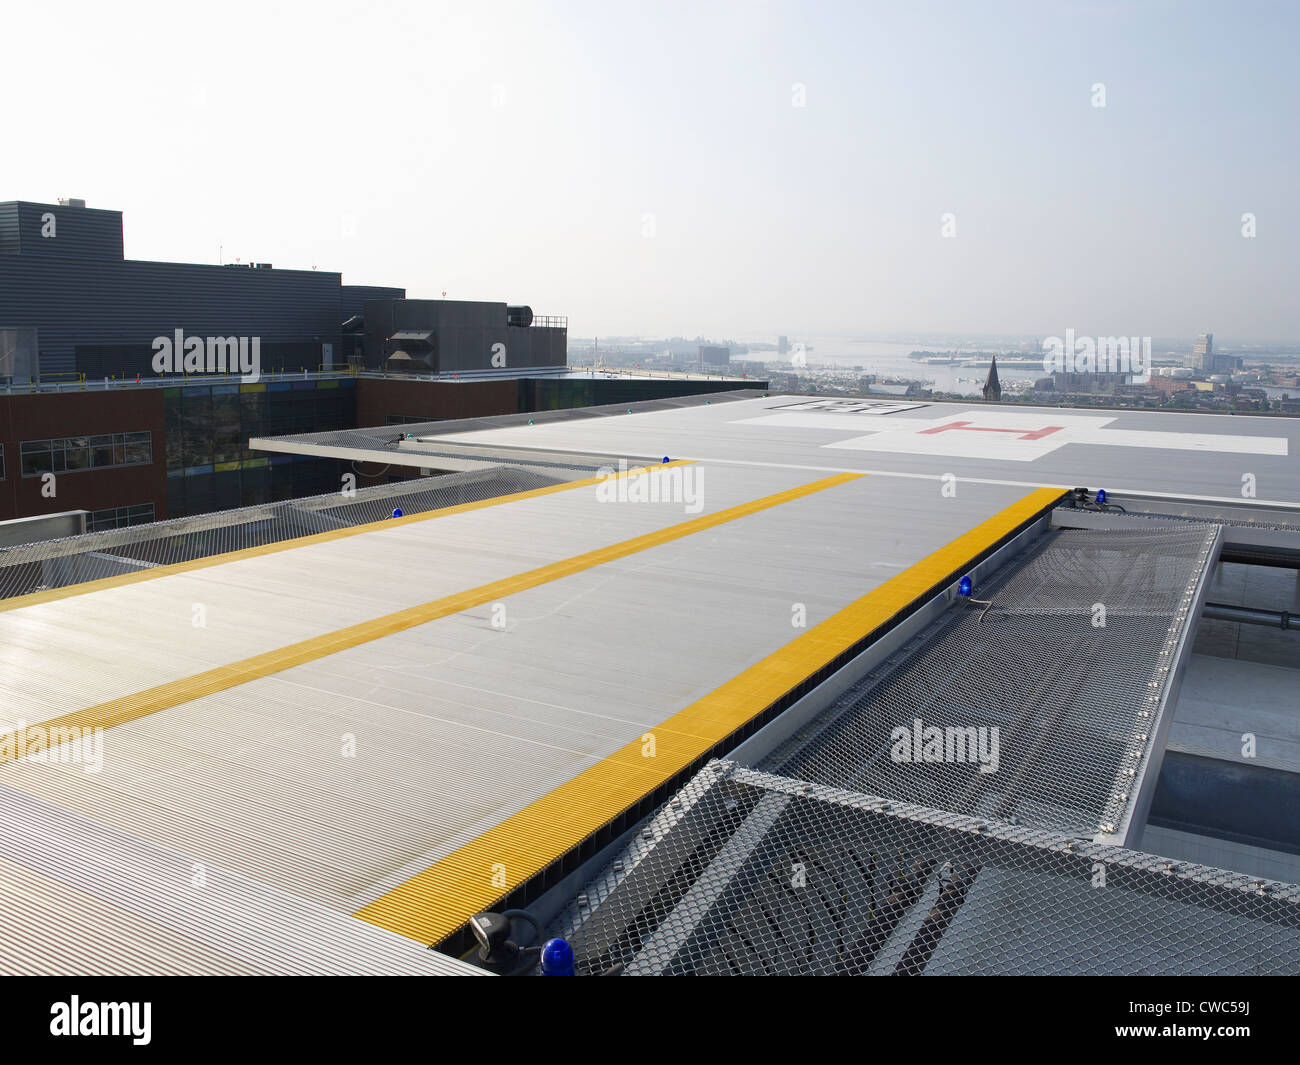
x: 644, y: 167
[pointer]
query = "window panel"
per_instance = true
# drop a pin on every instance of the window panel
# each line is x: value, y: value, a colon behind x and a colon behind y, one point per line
x: 36, y: 463
x: 72, y: 454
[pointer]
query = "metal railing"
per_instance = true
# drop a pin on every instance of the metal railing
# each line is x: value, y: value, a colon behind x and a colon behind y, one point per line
x: 81, y: 383
x: 684, y: 375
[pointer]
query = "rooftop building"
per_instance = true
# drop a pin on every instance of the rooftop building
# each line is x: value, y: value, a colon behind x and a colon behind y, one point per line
x: 72, y: 306
x: 120, y: 397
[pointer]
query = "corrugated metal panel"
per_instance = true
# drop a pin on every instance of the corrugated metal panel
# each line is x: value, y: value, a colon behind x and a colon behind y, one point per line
x: 457, y: 723
x: 9, y: 242
x: 87, y: 302
x: 72, y: 233
x: 468, y: 334
x: 50, y: 929
x: 352, y: 298
x: 119, y: 904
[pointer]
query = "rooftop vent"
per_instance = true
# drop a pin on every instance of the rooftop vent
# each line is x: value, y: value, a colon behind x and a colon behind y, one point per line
x: 72, y: 203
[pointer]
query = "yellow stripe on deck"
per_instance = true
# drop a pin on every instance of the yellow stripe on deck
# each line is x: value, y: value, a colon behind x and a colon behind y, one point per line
x: 209, y: 682
x: 436, y: 902
x: 52, y: 594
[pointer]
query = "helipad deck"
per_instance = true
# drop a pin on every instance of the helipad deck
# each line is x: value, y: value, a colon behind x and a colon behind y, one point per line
x: 1190, y: 455
x: 404, y: 721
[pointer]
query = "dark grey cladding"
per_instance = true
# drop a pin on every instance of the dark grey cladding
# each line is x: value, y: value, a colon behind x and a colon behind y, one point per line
x: 463, y: 336
x: 63, y: 280
x: 100, y: 317
x: 60, y: 232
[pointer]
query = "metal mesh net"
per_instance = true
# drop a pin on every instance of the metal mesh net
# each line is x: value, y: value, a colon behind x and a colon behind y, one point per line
x: 745, y: 873
x: 92, y: 556
x: 1039, y: 709
x: 1282, y: 522
x: 857, y: 861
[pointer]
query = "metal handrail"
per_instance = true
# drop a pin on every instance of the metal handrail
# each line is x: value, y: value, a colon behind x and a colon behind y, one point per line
x: 81, y: 383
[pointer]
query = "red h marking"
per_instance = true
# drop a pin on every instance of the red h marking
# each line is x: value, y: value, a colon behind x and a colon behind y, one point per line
x: 1024, y: 434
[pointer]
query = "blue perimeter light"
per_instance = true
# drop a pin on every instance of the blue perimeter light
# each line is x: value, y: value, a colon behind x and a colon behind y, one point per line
x: 665, y: 458
x: 397, y: 513
x: 965, y: 586
x: 557, y: 958
x: 1101, y: 495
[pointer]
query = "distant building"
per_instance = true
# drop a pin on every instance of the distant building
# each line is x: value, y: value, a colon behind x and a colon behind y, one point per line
x: 1088, y: 384
x: 1168, y: 385
x: 992, y: 386
x: 782, y: 345
x: 714, y: 356
x: 1202, y: 358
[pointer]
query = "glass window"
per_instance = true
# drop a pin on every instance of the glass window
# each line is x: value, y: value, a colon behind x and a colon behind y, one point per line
x: 137, y: 451
x: 196, y: 423
x: 120, y: 517
x: 36, y: 458
x: 226, y: 442
x: 75, y: 453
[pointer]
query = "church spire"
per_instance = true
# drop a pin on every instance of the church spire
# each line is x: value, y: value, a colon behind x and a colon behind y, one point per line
x: 993, y: 387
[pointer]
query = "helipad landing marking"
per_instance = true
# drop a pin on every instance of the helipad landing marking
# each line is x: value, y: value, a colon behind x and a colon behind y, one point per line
x: 1009, y: 436
x: 871, y: 407
x: 1024, y: 434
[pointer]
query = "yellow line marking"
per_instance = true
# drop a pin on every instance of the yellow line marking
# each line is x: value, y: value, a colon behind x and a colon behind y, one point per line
x: 53, y: 594
x: 434, y: 903
x: 186, y: 689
